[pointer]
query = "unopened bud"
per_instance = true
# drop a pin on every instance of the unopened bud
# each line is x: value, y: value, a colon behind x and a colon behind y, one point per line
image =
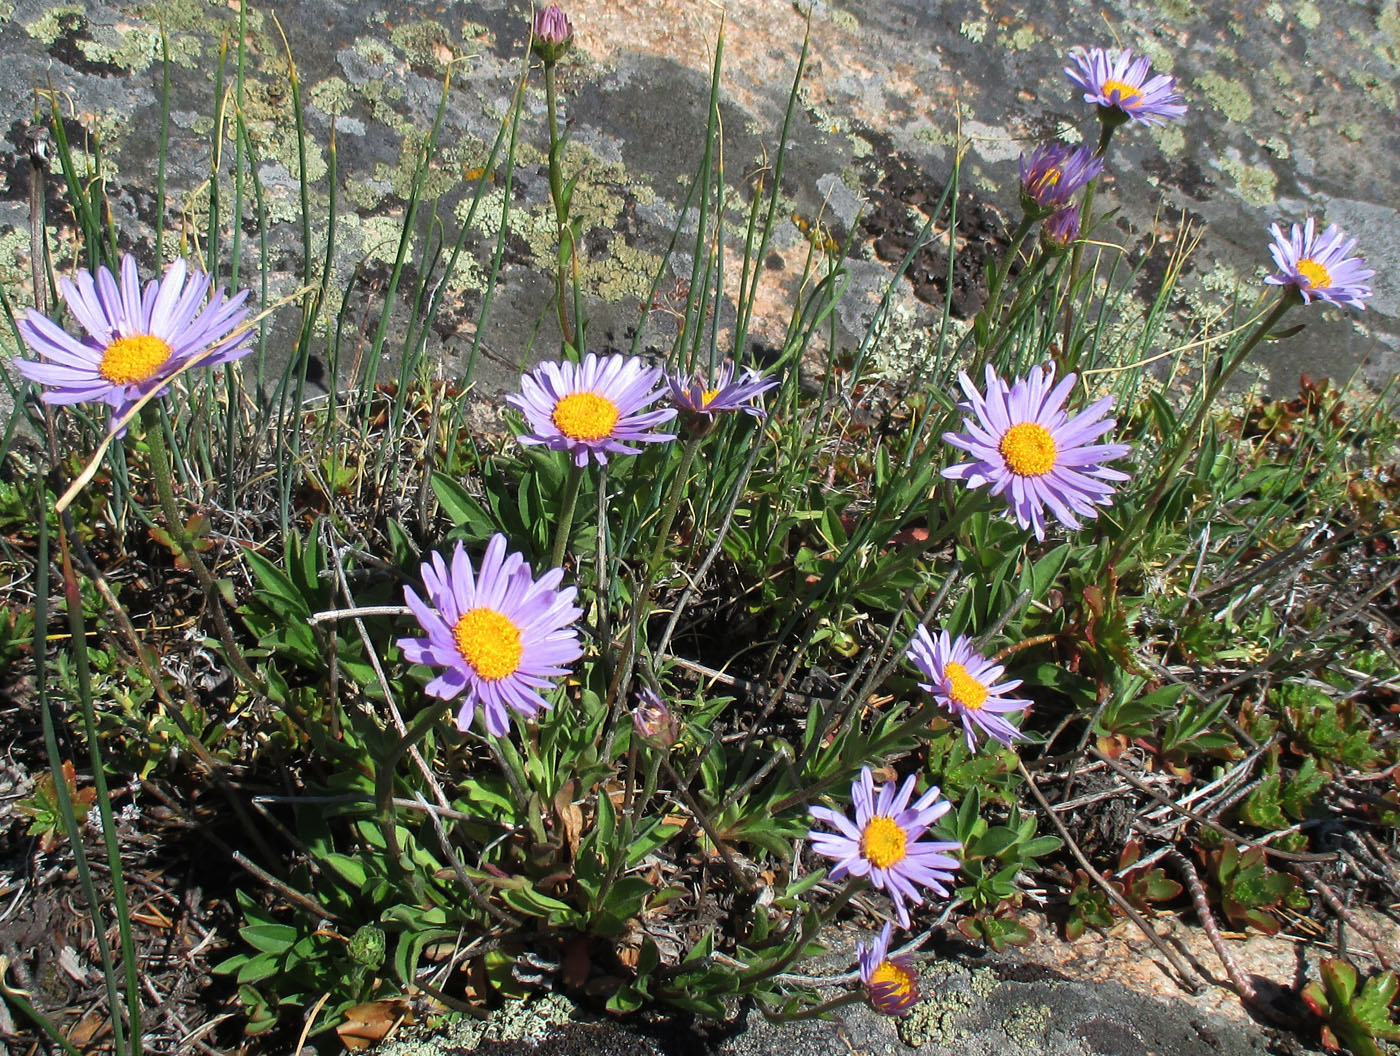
x: 553, y: 33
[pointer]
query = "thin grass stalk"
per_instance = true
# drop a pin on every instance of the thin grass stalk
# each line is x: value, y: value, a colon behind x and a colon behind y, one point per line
x: 163, y: 149
x: 693, y: 317
x: 78, y: 200
x: 503, y: 227
x: 60, y: 781
x: 264, y: 407
x: 748, y: 291
x: 556, y: 194
x: 73, y: 604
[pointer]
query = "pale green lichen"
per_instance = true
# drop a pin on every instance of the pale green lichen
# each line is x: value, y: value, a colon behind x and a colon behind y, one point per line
x: 974, y: 30
x: 6, y: 10
x: 1281, y: 72
x: 1171, y: 140
x: 1309, y: 16
x: 1023, y: 39
x: 332, y: 96
x: 1353, y: 131
x: 1278, y: 147
x: 15, y: 272
x: 1178, y: 10
x: 1229, y: 97
x: 1273, y: 12
x: 938, y: 1018
x: 1256, y: 184
x: 518, y: 1021
x: 1381, y: 90
x: 424, y: 43
x: 1026, y: 1026
x: 1388, y: 26
x: 139, y: 47
x: 54, y: 21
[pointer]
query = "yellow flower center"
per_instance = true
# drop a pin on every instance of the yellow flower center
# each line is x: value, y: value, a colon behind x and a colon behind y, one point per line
x: 900, y: 981
x: 1128, y: 96
x: 128, y: 360
x: 1048, y: 179
x: 490, y: 642
x: 1318, y: 277
x: 882, y: 842
x: 1029, y: 449
x: 585, y: 416
x: 963, y: 688
x: 707, y: 396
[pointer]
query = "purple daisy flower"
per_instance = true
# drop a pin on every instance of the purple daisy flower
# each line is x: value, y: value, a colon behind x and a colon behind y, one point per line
x: 883, y: 842
x: 1320, y: 265
x: 1116, y: 81
x: 892, y: 983
x: 968, y: 685
x: 501, y: 635
x: 137, y: 339
x: 1027, y: 447
x: 693, y: 396
x: 1052, y: 174
x: 592, y: 408
x: 1061, y: 230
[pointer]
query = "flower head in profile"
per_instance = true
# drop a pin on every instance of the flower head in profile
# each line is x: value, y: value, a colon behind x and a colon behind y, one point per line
x: 1053, y: 172
x: 1061, y: 229
x: 137, y: 338
x: 500, y: 635
x: 592, y: 409
x: 1032, y: 452
x: 892, y: 983
x: 653, y: 720
x: 1321, y: 266
x: 885, y: 841
x: 552, y: 32
x: 697, y: 398
x: 1120, y: 85
x: 968, y: 685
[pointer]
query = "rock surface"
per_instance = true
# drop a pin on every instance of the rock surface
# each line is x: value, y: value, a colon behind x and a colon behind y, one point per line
x: 1292, y: 111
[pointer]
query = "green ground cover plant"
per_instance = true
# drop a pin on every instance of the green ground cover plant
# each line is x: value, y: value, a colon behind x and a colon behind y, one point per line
x: 691, y: 660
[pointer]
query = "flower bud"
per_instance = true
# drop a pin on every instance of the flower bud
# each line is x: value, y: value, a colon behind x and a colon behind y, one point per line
x: 654, y: 721
x: 553, y: 33
x: 1059, y: 232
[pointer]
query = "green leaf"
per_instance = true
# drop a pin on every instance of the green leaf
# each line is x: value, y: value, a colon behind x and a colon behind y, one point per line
x: 276, y: 582
x: 269, y: 938
x: 462, y: 509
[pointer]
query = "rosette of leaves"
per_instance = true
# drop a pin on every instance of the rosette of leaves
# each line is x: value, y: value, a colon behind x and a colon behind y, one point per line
x: 1142, y: 885
x: 1248, y: 890
x: 1352, y: 1019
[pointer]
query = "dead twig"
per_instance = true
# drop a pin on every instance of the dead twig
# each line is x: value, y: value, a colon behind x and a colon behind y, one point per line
x: 1345, y: 915
x: 1238, y: 980
x: 1184, y: 974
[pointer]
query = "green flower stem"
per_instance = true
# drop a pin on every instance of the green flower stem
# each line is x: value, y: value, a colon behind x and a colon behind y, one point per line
x: 668, y: 511
x: 161, y: 477
x: 1185, y: 445
x: 384, y: 772
x: 623, y: 674
x: 999, y: 278
x: 556, y: 194
x: 1110, y: 117
x: 566, y: 515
